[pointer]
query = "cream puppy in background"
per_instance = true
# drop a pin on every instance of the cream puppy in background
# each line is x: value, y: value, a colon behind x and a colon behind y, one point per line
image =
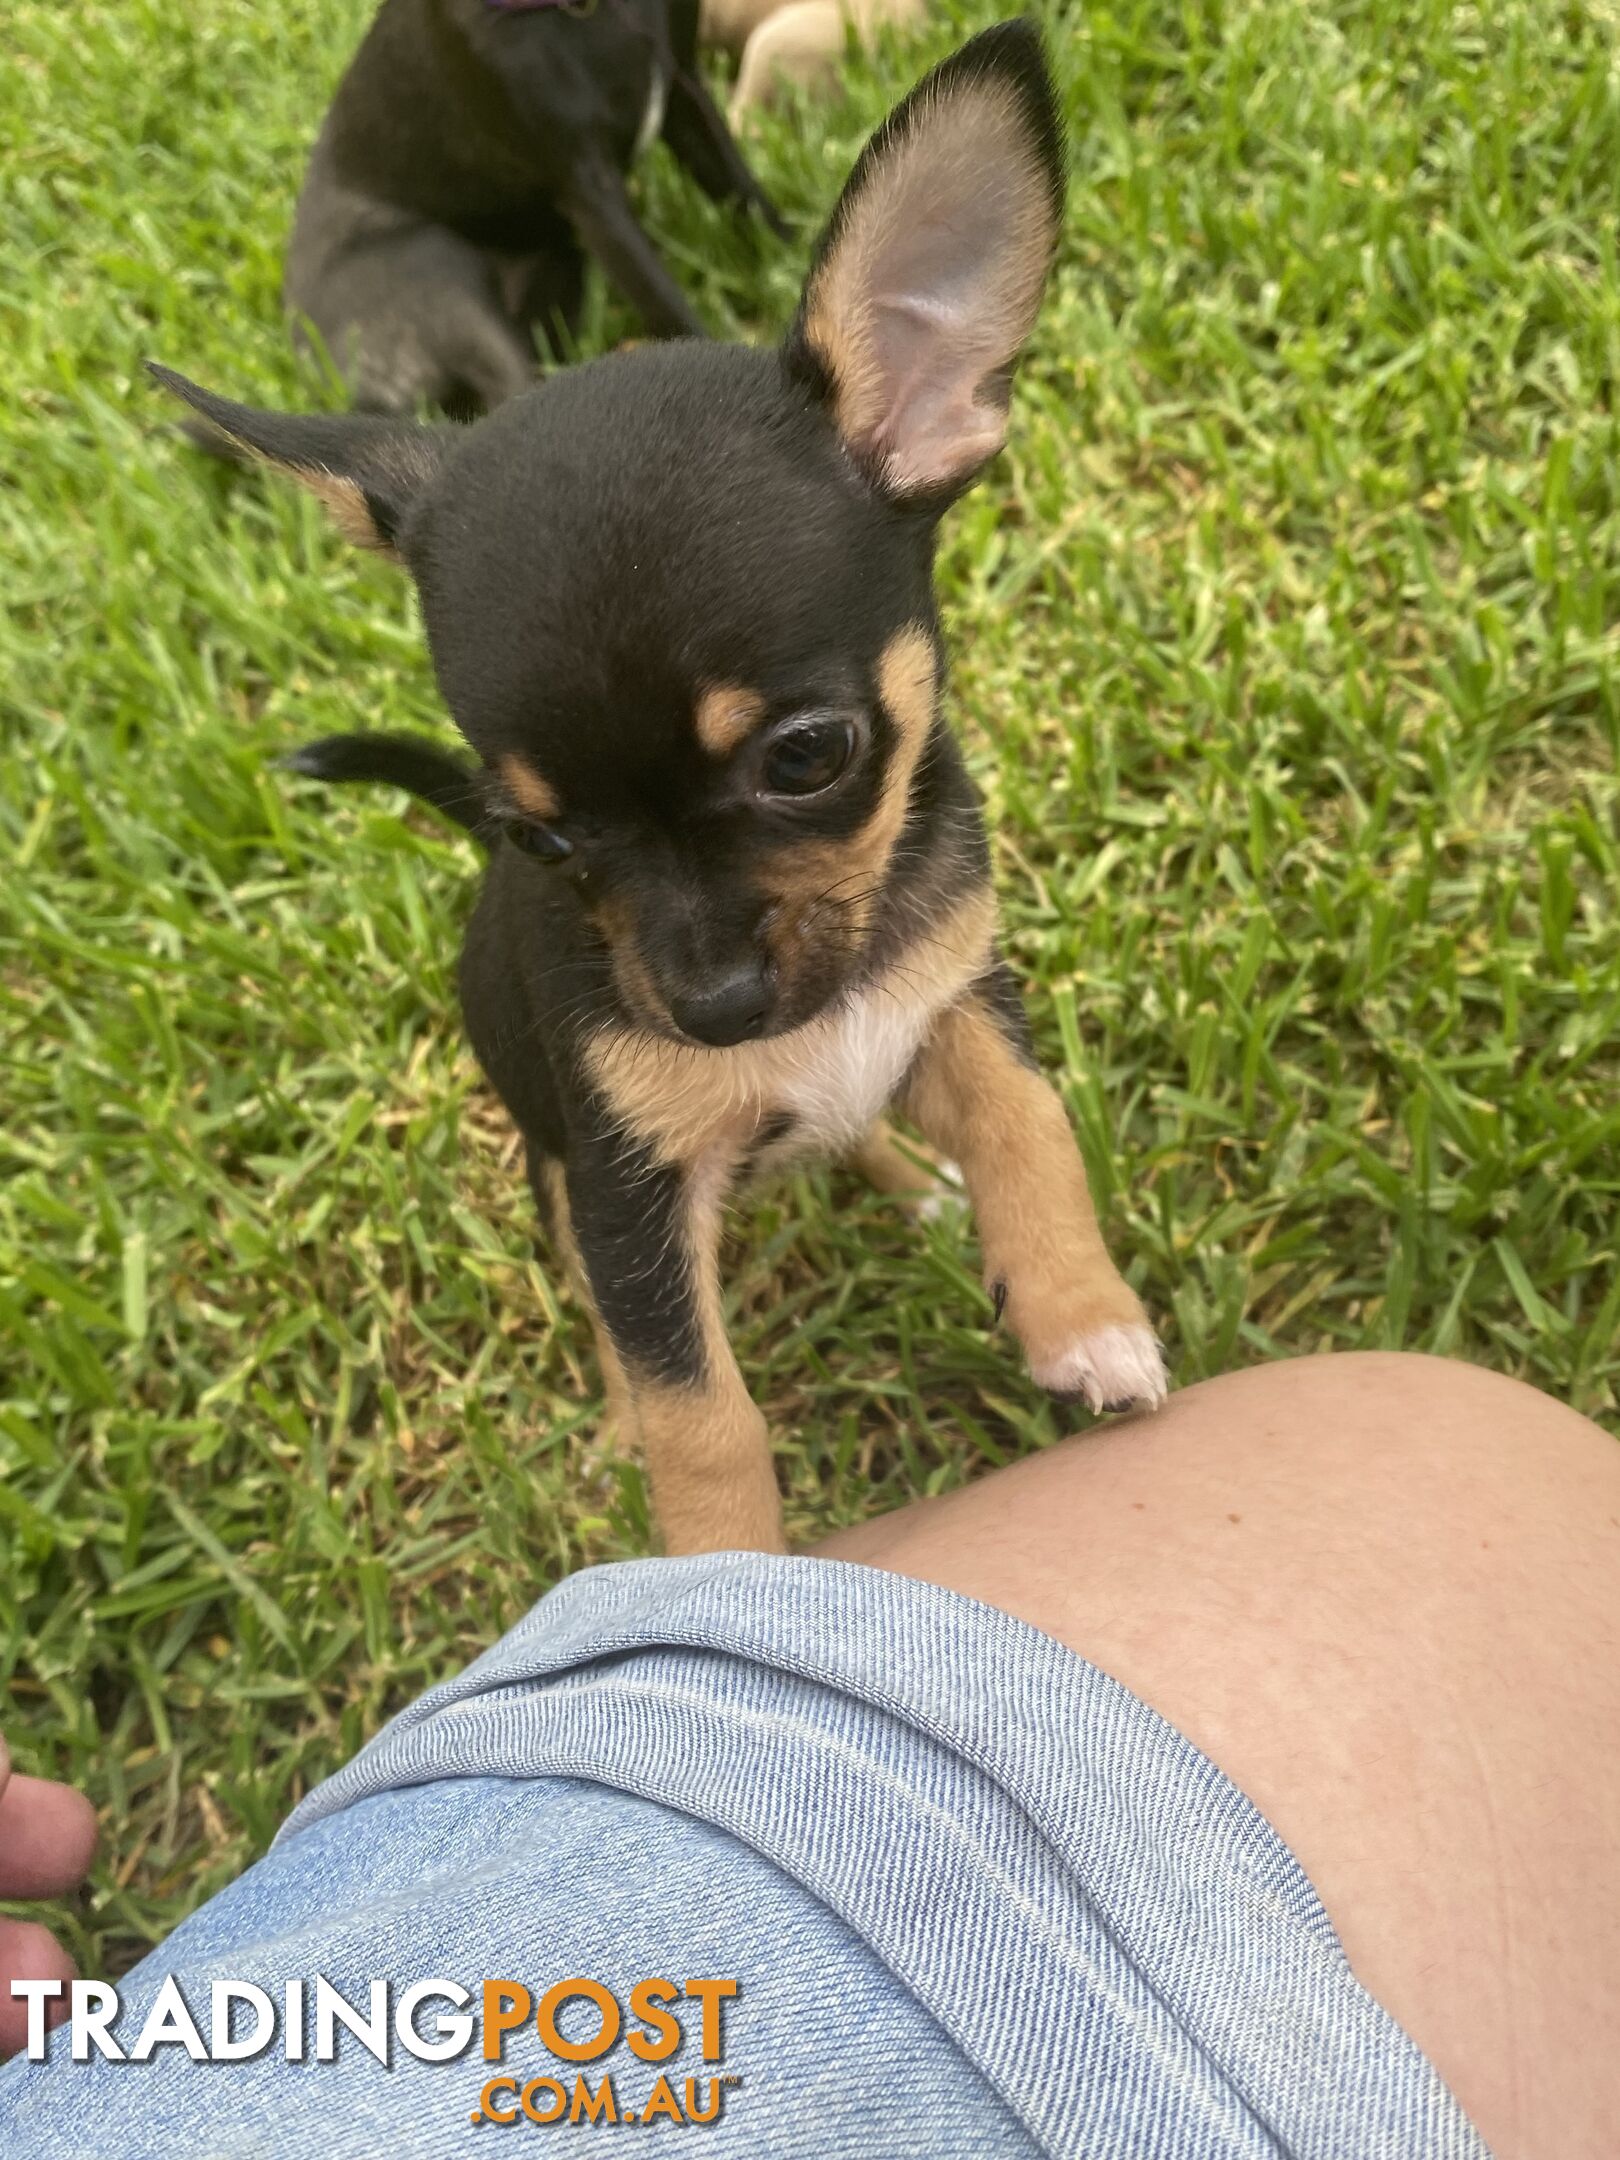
x: 802, y: 43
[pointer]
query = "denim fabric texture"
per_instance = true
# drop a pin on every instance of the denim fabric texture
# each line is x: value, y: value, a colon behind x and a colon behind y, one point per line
x: 980, y: 1899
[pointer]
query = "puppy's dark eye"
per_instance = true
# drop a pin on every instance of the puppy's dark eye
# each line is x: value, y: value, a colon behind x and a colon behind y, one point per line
x: 538, y: 840
x: 807, y: 756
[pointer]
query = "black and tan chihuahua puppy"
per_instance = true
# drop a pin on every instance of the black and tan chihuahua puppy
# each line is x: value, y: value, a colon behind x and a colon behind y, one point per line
x: 680, y: 601
x: 474, y: 151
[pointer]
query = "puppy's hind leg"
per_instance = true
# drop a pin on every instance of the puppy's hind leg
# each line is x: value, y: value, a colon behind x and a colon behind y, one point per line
x: 416, y: 319
x: 447, y: 322
x: 907, y: 1169
x: 482, y: 359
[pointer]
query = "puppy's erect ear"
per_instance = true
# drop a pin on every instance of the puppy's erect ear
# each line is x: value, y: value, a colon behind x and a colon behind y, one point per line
x: 366, y: 469
x: 927, y: 281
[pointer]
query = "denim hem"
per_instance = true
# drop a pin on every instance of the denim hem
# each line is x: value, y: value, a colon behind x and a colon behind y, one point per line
x: 1108, y: 1929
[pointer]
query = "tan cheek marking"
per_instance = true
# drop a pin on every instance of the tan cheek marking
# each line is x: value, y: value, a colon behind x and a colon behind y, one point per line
x: 906, y: 678
x: 528, y: 790
x: 976, y: 1099
x: 841, y: 881
x: 635, y: 984
x: 684, y: 1100
x: 727, y: 716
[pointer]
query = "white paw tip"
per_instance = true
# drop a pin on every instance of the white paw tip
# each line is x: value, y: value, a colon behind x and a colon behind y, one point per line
x: 1110, y: 1369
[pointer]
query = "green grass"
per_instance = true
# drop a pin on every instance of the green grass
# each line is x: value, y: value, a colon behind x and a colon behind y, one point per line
x: 1286, y: 656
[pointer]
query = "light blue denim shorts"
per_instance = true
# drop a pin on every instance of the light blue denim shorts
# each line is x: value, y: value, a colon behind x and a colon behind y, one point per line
x: 942, y: 1889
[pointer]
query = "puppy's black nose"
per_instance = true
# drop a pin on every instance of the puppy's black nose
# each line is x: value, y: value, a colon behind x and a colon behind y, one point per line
x: 728, y: 1010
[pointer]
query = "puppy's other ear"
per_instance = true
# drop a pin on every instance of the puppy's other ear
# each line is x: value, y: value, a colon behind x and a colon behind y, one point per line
x: 367, y: 470
x: 928, y: 279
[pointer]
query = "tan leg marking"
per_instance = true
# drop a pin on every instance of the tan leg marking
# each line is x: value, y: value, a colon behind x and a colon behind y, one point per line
x: 706, y: 1447
x: 708, y: 1459
x: 1081, y: 1325
x: 706, y: 1450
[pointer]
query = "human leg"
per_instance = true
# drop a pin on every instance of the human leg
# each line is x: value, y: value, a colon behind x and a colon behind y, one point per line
x: 1383, y: 1594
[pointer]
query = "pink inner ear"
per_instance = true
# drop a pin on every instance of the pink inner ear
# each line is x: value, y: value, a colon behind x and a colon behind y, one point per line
x: 950, y: 288
x: 932, y: 429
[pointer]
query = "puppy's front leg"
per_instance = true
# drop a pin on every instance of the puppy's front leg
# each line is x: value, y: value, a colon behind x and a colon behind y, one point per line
x: 696, y: 131
x: 974, y: 1092
x: 648, y: 1239
x: 600, y: 212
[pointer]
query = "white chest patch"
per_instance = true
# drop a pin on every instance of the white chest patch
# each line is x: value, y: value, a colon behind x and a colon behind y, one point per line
x: 849, y: 1069
x: 828, y: 1081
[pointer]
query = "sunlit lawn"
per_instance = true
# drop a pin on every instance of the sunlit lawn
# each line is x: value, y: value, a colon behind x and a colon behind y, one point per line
x: 1285, y: 656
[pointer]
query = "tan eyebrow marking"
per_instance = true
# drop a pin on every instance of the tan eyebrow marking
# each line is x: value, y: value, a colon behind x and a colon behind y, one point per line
x: 528, y: 790
x: 726, y: 715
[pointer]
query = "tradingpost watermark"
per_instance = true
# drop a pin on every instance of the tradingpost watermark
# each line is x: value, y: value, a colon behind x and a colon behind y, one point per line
x: 618, y: 2054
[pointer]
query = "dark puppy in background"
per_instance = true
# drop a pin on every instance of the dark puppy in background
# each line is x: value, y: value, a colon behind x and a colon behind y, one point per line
x: 475, y: 150
x: 681, y: 603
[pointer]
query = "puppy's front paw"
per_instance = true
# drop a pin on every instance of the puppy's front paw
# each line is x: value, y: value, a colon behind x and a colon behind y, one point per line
x: 1111, y: 1368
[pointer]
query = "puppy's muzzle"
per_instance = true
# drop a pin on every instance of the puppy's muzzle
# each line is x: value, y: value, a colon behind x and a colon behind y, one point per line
x: 729, y: 1008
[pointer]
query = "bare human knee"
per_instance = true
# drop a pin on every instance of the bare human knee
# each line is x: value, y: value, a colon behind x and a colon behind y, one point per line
x: 1383, y: 1593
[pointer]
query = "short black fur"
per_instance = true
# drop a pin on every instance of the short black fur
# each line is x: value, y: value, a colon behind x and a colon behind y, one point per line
x: 632, y: 577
